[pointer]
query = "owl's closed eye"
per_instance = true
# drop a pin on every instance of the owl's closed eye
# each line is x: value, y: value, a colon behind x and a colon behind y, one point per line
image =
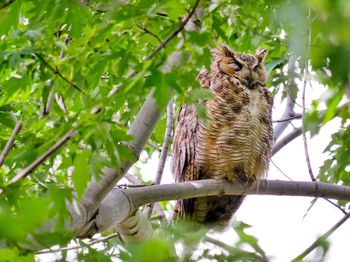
x: 243, y: 66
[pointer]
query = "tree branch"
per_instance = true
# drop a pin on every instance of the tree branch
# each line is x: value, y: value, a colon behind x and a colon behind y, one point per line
x: 90, y: 243
x: 173, y: 34
x: 321, y: 238
x: 10, y: 142
x: 119, y: 204
x: 289, y: 111
x: 141, y: 130
x: 57, y: 72
x: 164, y: 152
x: 26, y: 171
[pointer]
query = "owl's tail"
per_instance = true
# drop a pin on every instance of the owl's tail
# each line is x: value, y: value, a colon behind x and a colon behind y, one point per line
x: 214, y: 211
x: 221, y: 210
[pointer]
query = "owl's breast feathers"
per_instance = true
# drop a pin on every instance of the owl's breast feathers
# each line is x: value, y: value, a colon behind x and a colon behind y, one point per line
x: 237, y: 142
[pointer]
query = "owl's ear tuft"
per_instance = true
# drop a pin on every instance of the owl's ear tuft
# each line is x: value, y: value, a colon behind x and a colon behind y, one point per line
x: 261, y: 54
x: 226, y: 49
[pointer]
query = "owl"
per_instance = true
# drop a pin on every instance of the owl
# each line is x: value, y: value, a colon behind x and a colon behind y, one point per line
x: 235, y: 144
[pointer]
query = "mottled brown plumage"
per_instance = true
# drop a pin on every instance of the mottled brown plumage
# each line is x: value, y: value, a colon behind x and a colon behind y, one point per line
x: 235, y: 144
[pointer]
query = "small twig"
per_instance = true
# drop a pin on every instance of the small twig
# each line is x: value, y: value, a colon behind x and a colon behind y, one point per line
x: 280, y: 170
x: 133, y: 179
x: 164, y: 152
x: 149, y: 32
x: 128, y: 185
x: 10, y: 142
x: 173, y: 34
x: 335, y: 205
x: 51, y: 96
x: 57, y: 72
x: 102, y: 239
x: 154, y: 146
x: 321, y: 239
x: 26, y: 171
x: 49, y: 101
x: 306, y: 150
x: 296, y: 116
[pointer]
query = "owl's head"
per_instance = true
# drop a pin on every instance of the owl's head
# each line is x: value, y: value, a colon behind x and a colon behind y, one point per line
x: 247, y: 68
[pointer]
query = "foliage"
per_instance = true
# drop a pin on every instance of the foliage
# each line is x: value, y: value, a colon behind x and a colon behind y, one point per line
x: 60, y: 59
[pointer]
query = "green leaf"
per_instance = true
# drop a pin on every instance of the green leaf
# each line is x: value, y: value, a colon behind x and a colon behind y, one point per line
x: 81, y: 172
x: 7, y: 254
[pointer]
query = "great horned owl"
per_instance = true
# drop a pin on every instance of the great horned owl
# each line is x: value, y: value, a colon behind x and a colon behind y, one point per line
x: 236, y: 142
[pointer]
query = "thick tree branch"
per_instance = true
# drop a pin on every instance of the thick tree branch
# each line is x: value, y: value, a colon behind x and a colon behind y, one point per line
x: 141, y: 130
x: 322, y: 238
x: 119, y: 204
x: 10, y: 142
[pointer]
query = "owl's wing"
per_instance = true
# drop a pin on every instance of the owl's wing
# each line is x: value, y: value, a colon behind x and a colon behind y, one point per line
x: 185, y: 141
x: 184, y: 167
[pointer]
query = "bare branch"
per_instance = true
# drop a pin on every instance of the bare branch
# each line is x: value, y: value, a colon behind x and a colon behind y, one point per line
x: 26, y: 171
x: 298, y: 131
x: 57, y: 72
x: 173, y: 34
x: 306, y: 71
x: 321, y: 238
x: 120, y: 204
x: 10, y: 142
x: 48, y: 104
x: 289, y: 111
x: 296, y: 116
x: 164, y: 152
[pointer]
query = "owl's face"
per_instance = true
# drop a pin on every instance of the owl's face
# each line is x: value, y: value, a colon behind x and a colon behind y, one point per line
x: 248, y: 69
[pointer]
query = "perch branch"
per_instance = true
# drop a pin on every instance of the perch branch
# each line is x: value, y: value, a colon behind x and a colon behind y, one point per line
x: 10, y: 142
x: 119, y: 204
x: 321, y: 238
